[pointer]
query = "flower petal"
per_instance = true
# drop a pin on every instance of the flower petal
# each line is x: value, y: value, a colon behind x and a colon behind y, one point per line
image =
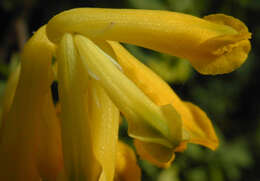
x: 195, y: 121
x: 127, y: 168
x: 213, y: 45
x: 31, y: 116
x: 200, y: 128
x: 147, y: 121
x: 154, y: 153
x: 77, y: 141
x: 104, y: 118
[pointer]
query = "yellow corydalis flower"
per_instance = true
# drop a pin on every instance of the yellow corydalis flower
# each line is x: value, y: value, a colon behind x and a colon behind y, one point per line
x: 216, y: 44
x: 189, y: 123
x: 194, y: 120
x: 147, y: 121
x: 24, y: 145
x: 141, y: 112
x: 97, y: 80
x: 89, y: 119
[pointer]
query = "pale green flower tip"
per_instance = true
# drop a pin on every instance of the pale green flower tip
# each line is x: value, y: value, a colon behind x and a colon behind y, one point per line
x: 174, y: 123
x: 147, y: 121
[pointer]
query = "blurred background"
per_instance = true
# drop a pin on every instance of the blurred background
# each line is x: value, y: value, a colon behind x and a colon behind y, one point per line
x: 232, y: 101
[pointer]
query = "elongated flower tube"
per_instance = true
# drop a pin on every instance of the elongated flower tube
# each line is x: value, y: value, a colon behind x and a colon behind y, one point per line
x: 216, y: 44
x: 160, y: 125
x: 195, y: 121
x: 89, y: 120
x: 26, y: 151
x: 197, y: 126
x: 76, y: 129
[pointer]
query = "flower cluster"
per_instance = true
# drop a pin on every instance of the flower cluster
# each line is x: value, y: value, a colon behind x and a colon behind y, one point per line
x: 77, y: 138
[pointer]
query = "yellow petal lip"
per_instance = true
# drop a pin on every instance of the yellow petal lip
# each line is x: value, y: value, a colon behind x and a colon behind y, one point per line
x: 199, y: 127
x: 215, y: 44
x: 155, y: 154
x: 226, y: 52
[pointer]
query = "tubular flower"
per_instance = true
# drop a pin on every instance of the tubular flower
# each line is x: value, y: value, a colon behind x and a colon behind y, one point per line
x: 98, y: 79
x: 24, y: 144
x: 89, y: 119
x: 195, y: 122
x: 216, y: 44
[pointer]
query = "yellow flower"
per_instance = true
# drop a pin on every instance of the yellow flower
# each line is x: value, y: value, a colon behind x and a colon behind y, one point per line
x: 144, y: 100
x: 195, y: 121
x: 97, y: 80
x: 30, y: 132
x: 89, y: 119
x: 215, y: 44
x: 148, y: 122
